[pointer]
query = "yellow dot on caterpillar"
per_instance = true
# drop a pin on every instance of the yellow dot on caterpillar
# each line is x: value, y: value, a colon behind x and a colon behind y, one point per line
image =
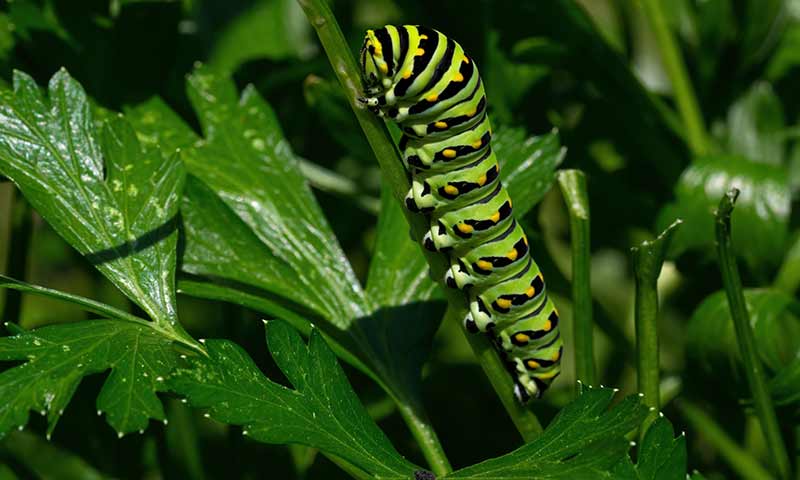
x: 384, y: 68
x: 472, y: 112
x: 440, y: 125
x: 532, y: 364
x: 556, y: 355
x: 477, y: 143
x: 530, y: 292
x: 482, y: 180
x: 548, y: 375
x: 420, y: 52
x: 450, y: 190
x: 503, y: 303
x: 495, y: 217
x: 464, y: 228
x: 521, y: 338
x: 512, y: 255
x: 407, y: 74
x: 432, y: 97
x: 449, y: 153
x: 547, y: 326
x: 458, y: 77
x: 423, y: 37
x: 484, y: 265
x: 466, y: 59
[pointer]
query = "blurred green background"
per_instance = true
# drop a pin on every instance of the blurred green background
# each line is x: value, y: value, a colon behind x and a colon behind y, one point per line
x: 592, y: 69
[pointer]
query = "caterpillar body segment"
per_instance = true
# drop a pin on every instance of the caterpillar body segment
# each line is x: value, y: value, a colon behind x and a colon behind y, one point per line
x: 426, y: 83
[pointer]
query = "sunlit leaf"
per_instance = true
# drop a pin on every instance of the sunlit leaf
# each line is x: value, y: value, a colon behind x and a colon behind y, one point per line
x: 115, y: 202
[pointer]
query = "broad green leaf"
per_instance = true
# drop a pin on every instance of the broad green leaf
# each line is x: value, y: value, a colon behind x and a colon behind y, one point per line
x: 322, y: 411
x: 271, y: 29
x: 759, y: 223
x: 115, y: 202
x: 246, y: 161
x: 756, y: 126
x: 773, y: 316
x: 157, y: 124
x: 661, y: 456
x: 57, y: 357
x: 47, y: 460
x: 585, y: 440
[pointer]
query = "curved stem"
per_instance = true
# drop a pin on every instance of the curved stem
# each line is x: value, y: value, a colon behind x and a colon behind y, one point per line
x: 676, y: 69
x: 745, y: 338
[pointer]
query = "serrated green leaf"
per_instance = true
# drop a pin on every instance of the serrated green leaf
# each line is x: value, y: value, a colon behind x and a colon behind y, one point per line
x: 57, y: 357
x: 773, y: 316
x: 661, y: 456
x: 756, y: 126
x: 760, y: 221
x: 322, y: 411
x: 585, y: 440
x: 110, y: 199
x: 246, y: 161
x: 271, y: 29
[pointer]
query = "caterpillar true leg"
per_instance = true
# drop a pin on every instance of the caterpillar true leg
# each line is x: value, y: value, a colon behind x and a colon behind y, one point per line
x: 426, y: 83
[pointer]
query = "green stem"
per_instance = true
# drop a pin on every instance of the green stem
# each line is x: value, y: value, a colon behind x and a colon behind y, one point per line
x: 648, y: 258
x: 420, y: 426
x: 738, y: 458
x: 573, y: 189
x: 744, y: 336
x: 20, y: 239
x: 676, y: 69
x: 523, y: 418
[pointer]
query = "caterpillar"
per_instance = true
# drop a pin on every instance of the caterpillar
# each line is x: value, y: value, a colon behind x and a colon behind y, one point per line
x: 426, y: 83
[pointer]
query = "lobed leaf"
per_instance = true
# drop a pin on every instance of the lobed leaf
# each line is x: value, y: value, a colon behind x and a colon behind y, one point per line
x: 321, y: 412
x: 112, y: 200
x: 661, y: 456
x: 585, y: 440
x: 56, y: 358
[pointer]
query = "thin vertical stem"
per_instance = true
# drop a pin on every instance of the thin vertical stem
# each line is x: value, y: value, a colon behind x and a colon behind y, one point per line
x: 573, y: 189
x: 744, y: 336
x: 676, y: 69
x: 648, y: 258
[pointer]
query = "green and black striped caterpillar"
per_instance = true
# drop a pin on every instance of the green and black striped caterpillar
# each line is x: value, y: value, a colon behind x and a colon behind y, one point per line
x: 424, y: 81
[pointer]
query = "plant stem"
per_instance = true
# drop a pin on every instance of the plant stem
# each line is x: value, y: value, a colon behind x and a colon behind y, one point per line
x: 648, y: 258
x: 573, y: 189
x: 738, y: 458
x: 676, y: 69
x: 744, y: 336
x: 20, y: 239
x: 420, y: 426
x: 523, y: 418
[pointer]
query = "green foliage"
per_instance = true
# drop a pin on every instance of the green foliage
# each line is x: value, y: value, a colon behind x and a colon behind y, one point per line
x: 322, y: 411
x: 585, y: 440
x: 57, y: 357
x: 661, y: 456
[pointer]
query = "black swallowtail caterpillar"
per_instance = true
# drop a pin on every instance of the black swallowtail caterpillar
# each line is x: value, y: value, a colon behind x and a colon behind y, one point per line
x: 425, y: 82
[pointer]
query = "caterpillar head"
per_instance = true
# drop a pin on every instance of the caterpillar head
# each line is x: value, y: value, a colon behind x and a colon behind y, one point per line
x: 374, y: 68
